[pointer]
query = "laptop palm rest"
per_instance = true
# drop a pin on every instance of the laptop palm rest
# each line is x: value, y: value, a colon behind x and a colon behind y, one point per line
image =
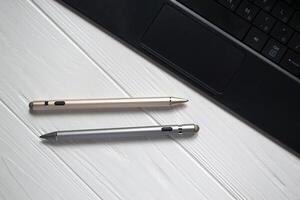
x: 192, y: 49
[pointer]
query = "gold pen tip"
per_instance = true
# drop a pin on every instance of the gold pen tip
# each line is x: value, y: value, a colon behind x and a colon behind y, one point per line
x: 176, y: 100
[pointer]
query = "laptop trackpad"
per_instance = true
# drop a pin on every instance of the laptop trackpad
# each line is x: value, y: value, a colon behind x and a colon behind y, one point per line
x: 192, y: 48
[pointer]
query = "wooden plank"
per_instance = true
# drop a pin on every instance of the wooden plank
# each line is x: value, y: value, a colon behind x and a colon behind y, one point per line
x: 39, y: 61
x: 29, y: 169
x: 247, y: 164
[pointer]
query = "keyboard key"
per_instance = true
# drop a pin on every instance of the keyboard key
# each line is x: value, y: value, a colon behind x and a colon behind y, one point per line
x: 274, y: 50
x: 296, y: 4
x: 282, y: 11
x: 220, y: 16
x: 256, y: 39
x: 290, y: 2
x: 231, y: 4
x: 295, y: 43
x: 282, y: 32
x: 247, y: 10
x: 264, y: 21
x: 265, y: 4
x: 295, y: 21
x: 291, y: 62
x: 293, y: 3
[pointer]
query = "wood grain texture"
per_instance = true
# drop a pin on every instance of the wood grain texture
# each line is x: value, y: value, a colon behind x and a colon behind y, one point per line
x: 49, y: 52
x: 29, y: 169
x: 39, y: 61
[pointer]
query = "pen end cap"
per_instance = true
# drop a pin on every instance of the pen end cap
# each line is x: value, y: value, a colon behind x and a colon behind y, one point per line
x: 196, y: 128
x: 30, y: 105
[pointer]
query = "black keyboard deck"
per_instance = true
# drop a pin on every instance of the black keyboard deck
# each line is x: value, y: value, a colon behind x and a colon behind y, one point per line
x: 270, y: 27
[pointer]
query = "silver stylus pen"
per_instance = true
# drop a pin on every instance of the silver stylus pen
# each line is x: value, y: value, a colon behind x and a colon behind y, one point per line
x: 171, y: 130
x: 138, y: 102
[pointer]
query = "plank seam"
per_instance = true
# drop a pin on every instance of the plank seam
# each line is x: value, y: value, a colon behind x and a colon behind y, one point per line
x: 51, y: 150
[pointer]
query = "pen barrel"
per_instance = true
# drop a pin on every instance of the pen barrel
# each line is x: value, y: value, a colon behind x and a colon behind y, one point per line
x: 101, y: 103
x: 151, y: 131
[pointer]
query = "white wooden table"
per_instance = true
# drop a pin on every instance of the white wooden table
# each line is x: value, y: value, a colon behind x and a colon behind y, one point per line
x: 48, y: 52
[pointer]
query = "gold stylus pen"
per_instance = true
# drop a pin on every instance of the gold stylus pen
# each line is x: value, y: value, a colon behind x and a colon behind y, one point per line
x: 139, y: 102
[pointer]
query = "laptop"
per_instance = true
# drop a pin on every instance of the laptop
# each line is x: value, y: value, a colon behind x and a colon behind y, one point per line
x: 244, y: 54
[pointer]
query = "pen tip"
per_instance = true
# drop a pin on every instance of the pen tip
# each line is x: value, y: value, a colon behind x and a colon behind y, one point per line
x: 176, y: 100
x: 49, y: 135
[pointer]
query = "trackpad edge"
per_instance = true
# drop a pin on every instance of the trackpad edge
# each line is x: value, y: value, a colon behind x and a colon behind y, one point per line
x: 195, y: 50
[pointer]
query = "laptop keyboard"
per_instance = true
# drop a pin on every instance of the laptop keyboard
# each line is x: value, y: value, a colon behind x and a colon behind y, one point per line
x: 270, y: 27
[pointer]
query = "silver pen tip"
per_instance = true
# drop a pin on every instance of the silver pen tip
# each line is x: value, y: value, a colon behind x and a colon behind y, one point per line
x: 49, y: 135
